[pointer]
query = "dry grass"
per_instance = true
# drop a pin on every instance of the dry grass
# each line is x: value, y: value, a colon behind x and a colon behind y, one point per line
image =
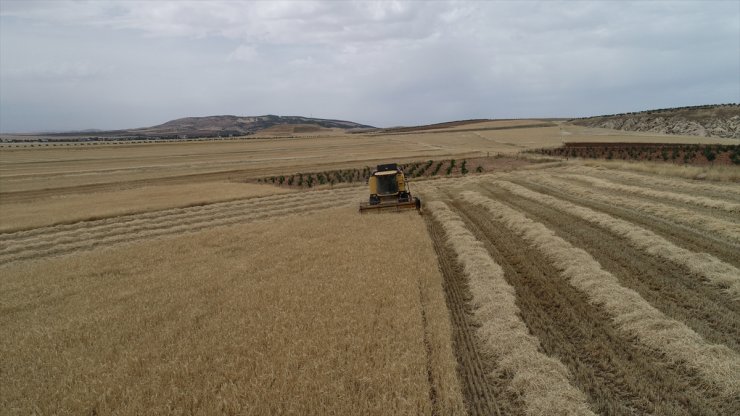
x: 83, y: 207
x: 653, y: 193
x: 87, y: 235
x: 709, y: 173
x: 282, y: 322
x: 541, y: 381
x: 523, y: 138
x: 160, y: 312
x: 492, y: 124
x: 717, y: 364
x: 23, y: 169
x: 702, y: 264
x: 698, y: 221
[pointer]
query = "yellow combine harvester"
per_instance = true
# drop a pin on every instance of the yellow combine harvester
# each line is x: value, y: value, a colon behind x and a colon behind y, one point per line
x: 389, y: 191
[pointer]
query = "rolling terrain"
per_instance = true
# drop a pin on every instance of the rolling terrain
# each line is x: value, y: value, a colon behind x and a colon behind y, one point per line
x: 705, y: 121
x: 209, y: 126
x: 157, y: 278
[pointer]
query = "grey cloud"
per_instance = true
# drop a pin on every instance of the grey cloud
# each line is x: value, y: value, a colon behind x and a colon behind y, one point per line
x: 383, y: 63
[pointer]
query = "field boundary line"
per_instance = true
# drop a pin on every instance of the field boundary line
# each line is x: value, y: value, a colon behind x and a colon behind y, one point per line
x: 717, y: 364
x: 542, y: 381
x: 703, y: 264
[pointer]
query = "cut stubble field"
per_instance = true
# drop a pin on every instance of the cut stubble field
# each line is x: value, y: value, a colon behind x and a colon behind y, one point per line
x: 622, y: 298
x: 552, y: 289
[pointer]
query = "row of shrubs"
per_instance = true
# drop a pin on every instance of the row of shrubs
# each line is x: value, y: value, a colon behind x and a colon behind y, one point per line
x: 309, y: 180
x: 687, y: 154
x: 334, y: 177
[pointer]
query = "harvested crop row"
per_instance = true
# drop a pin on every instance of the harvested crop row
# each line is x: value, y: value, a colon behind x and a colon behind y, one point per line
x: 677, y: 185
x: 668, y: 287
x: 620, y: 375
x: 100, y: 234
x: 652, y: 193
x: 716, y: 227
x: 684, y: 236
x: 705, y: 265
x: 445, y: 386
x: 716, y: 364
x: 542, y: 381
x: 59, y: 243
x: 479, y: 390
x: 172, y: 214
x: 175, y: 213
x: 134, y: 223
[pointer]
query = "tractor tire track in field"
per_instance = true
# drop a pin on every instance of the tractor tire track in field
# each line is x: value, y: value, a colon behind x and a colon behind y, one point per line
x: 479, y: 390
x: 620, y: 375
x: 86, y: 235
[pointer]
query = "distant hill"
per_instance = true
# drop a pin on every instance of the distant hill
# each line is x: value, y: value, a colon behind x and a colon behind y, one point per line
x: 445, y: 125
x: 223, y: 126
x: 721, y: 120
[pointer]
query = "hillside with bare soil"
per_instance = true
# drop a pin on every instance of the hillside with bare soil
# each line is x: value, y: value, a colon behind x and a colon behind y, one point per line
x: 705, y: 121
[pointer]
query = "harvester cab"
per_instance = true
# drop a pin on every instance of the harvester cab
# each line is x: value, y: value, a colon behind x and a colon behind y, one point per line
x: 389, y: 191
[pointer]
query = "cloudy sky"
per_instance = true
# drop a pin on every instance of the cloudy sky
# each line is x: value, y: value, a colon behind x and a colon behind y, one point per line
x: 68, y: 65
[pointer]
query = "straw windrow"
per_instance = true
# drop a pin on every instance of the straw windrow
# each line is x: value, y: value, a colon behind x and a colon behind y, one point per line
x: 716, y: 364
x: 654, y: 193
x: 542, y: 381
x: 702, y: 264
x: 718, y: 227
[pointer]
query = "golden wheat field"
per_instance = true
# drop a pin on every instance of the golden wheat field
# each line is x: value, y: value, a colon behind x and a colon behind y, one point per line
x: 160, y: 279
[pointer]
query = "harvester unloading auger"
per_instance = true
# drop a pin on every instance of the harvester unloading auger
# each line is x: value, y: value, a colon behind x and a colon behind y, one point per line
x: 389, y: 191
